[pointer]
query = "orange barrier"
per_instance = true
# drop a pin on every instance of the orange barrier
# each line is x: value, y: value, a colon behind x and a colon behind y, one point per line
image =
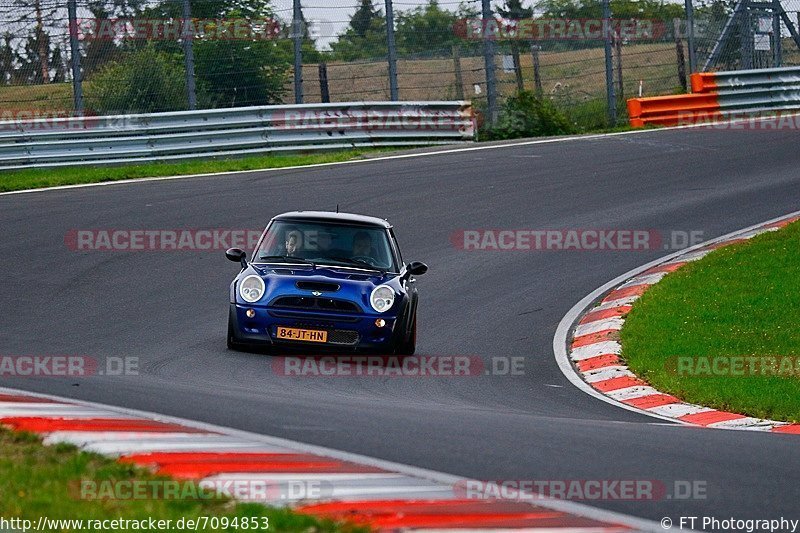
x: 704, y: 82
x: 673, y: 110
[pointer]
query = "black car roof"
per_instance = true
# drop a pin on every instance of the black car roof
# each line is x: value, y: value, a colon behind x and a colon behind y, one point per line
x: 331, y: 217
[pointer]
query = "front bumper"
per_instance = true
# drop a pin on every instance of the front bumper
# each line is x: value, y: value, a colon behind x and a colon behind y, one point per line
x: 346, y: 332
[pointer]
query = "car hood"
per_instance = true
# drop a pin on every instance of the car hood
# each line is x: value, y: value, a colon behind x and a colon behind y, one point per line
x: 353, y: 285
x: 321, y: 273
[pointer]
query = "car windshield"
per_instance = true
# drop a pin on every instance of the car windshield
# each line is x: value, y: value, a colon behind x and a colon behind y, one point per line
x: 325, y: 243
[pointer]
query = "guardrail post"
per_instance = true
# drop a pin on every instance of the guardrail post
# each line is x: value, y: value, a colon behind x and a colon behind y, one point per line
x: 537, y: 76
x: 392, y: 50
x: 611, y: 100
x: 618, y: 55
x: 776, y: 32
x: 488, y: 60
x: 457, y: 70
x: 324, y: 92
x: 681, y: 58
x: 517, y: 66
x: 187, y: 35
x: 75, y: 52
x: 297, y: 37
x: 746, y: 34
x: 690, y: 35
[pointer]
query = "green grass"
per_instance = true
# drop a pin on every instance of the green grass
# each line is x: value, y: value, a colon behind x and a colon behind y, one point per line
x: 741, y: 300
x: 37, y: 480
x: 38, y: 178
x: 591, y: 116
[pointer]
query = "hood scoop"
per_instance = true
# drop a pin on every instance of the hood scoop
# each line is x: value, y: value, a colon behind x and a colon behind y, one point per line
x: 360, y: 277
x: 320, y: 286
x: 282, y: 271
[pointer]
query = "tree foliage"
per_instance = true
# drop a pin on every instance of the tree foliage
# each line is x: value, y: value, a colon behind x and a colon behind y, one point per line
x: 241, y: 73
x: 621, y: 9
x: 147, y: 81
x: 228, y: 72
x: 364, y: 38
x: 427, y: 29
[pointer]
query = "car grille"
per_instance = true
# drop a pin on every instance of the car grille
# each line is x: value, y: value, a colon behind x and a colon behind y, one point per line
x: 315, y: 304
x: 323, y: 319
x: 342, y: 336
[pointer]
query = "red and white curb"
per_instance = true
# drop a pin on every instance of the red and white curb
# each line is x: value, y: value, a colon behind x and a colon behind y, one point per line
x: 366, y: 491
x: 589, y: 352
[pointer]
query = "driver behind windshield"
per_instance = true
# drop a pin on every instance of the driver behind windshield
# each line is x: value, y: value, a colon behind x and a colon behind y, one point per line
x: 362, y: 244
x: 293, y: 242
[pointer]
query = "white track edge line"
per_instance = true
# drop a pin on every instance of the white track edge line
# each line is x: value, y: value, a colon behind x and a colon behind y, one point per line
x: 573, y: 315
x: 565, y: 506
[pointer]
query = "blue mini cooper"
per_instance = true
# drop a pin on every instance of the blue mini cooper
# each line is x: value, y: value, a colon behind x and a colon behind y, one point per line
x: 325, y: 281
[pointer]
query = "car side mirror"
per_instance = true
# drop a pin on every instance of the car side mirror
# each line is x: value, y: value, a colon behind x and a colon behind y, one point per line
x: 237, y: 256
x: 416, y: 268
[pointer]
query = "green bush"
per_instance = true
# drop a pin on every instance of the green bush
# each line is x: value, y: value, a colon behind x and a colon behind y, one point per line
x: 241, y: 73
x: 589, y: 115
x: 144, y: 81
x: 525, y: 115
x: 152, y: 78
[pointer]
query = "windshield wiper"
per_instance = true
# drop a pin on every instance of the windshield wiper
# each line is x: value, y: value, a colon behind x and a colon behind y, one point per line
x: 358, y: 262
x: 287, y: 258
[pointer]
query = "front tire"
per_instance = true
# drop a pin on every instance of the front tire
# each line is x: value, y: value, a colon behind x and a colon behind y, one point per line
x: 231, y: 339
x: 408, y: 346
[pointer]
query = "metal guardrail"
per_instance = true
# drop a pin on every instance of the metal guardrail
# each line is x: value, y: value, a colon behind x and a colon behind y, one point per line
x: 234, y: 132
x: 719, y: 96
x: 741, y: 79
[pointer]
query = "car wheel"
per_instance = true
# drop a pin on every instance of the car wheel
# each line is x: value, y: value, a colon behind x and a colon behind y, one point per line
x: 231, y: 339
x: 408, y: 347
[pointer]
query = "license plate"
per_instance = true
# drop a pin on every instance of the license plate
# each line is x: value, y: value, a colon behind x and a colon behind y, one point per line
x: 308, y: 335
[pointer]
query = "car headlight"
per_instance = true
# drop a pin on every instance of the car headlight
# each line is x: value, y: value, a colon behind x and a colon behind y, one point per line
x: 382, y: 298
x: 251, y: 289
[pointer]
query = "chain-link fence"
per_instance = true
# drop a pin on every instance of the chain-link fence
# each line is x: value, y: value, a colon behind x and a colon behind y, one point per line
x: 163, y: 55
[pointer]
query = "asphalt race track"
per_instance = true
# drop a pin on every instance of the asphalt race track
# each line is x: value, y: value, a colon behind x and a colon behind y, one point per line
x: 169, y: 309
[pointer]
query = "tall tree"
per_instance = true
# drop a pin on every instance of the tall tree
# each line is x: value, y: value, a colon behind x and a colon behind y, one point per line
x: 31, y: 68
x: 99, y: 51
x: 364, y: 17
x: 427, y: 28
x: 212, y: 9
x: 7, y: 70
x: 58, y: 66
x: 33, y: 14
x: 44, y: 52
x: 513, y: 10
x: 365, y: 36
